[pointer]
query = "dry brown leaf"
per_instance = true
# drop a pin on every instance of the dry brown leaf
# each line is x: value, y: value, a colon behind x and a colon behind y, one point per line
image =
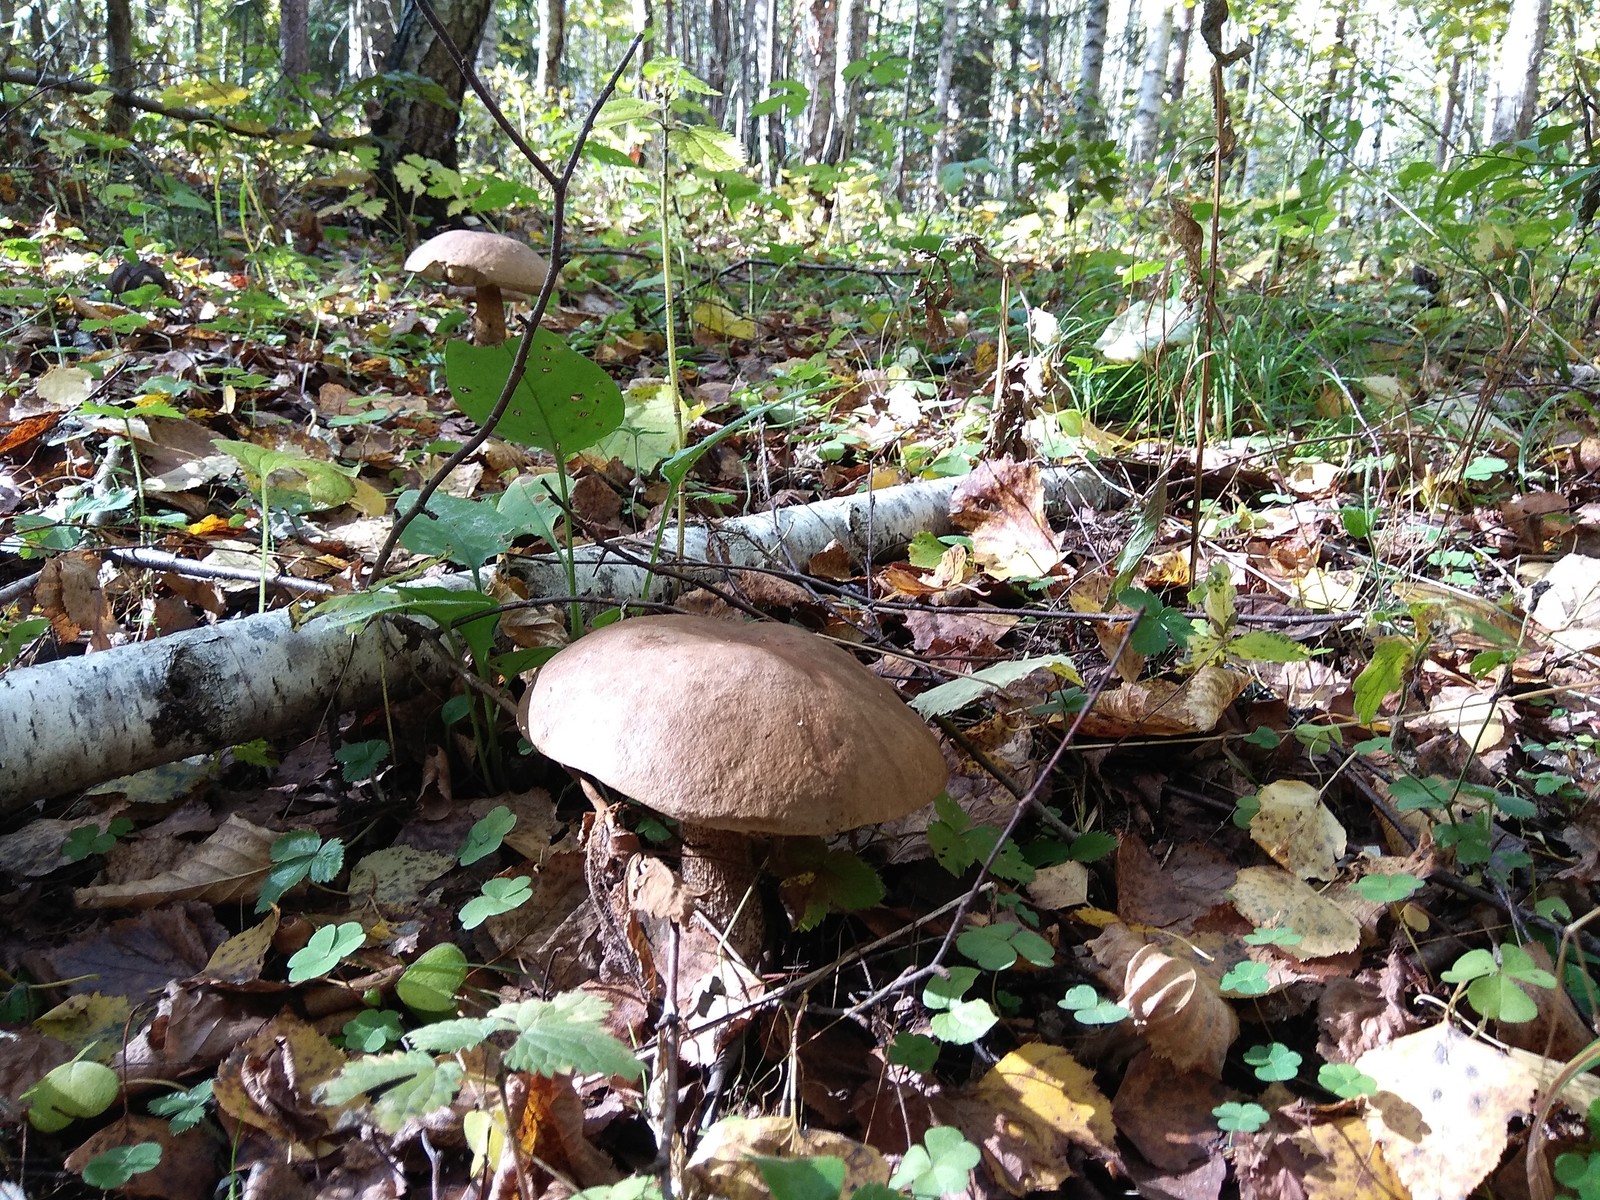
x: 267, y: 1083
x: 188, y: 1166
x: 238, y: 960
x: 1181, y: 1013
x: 70, y: 595
x: 1092, y: 594
x: 1270, y: 897
x: 1162, y: 708
x: 1443, y: 1107
x: 1033, y: 1107
x: 1167, y: 1114
x: 229, y: 866
x: 1061, y: 886
x: 1001, y: 506
x: 1297, y: 830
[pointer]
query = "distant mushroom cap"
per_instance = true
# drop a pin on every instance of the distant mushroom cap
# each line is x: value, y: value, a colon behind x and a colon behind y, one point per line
x: 760, y: 728
x: 472, y: 258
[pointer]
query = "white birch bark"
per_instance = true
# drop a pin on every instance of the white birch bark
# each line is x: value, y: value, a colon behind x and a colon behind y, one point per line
x: 1146, y: 128
x: 80, y: 721
x: 1513, y: 92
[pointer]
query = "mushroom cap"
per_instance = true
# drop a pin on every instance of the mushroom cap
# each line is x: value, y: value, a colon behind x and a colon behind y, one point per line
x: 760, y: 728
x: 472, y: 258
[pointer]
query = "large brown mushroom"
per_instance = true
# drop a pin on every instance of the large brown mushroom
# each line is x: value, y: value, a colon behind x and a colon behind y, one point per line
x: 489, y: 262
x: 734, y: 730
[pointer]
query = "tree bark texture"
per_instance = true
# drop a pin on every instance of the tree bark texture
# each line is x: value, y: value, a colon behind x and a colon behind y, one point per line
x: 1513, y: 95
x: 1146, y: 128
x: 371, y: 25
x: 294, y: 37
x: 944, y: 72
x: 409, y: 124
x: 552, y: 42
x: 1096, y: 18
x: 119, y: 64
x: 819, y: 37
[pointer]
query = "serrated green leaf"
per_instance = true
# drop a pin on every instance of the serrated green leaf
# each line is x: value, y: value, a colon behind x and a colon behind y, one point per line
x: 1263, y: 645
x: 1382, y: 676
x: 565, y: 1034
x: 415, y: 1085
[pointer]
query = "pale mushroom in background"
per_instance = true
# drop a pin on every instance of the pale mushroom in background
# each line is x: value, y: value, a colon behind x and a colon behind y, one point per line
x: 734, y: 730
x: 489, y: 262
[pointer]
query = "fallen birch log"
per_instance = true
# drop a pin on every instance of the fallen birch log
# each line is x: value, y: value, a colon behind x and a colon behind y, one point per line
x: 77, y: 722
x: 867, y: 526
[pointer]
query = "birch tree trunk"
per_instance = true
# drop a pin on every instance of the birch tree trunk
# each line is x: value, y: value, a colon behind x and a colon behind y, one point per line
x: 944, y: 72
x: 1096, y: 18
x: 819, y: 33
x: 1447, y: 119
x: 903, y: 134
x: 849, y: 38
x: 371, y: 33
x: 1513, y: 92
x: 80, y: 721
x: 1145, y: 132
x: 1180, y: 55
x: 772, y: 122
x: 552, y: 42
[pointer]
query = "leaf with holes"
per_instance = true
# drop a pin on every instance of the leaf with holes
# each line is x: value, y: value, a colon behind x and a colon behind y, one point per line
x: 563, y: 403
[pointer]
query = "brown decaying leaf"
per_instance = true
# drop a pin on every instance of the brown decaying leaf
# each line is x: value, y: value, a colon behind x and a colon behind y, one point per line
x: 1162, y: 708
x: 1182, y: 1015
x: 723, y: 1163
x: 1297, y: 830
x: 228, y: 867
x: 1167, y: 1115
x: 1270, y: 897
x: 267, y: 1084
x: 70, y: 595
x: 1001, y: 506
x: 188, y: 1166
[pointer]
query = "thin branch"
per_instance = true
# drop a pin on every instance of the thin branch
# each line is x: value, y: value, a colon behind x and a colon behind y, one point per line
x: 193, y: 116
x: 519, y: 364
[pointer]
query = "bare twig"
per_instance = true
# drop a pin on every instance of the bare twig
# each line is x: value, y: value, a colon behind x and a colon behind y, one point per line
x: 559, y: 184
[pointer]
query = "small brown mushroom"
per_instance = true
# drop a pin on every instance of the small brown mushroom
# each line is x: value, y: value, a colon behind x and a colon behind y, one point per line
x: 488, y: 262
x: 733, y: 730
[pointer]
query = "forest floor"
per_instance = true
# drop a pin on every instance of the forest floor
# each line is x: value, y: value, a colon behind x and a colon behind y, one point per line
x: 1292, y: 900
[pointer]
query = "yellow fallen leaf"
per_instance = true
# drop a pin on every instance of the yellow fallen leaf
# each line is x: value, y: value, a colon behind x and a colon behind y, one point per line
x: 719, y: 319
x: 1442, y: 1109
x: 1042, y: 1104
x: 1352, y: 1167
x: 1271, y: 897
x: 1297, y: 830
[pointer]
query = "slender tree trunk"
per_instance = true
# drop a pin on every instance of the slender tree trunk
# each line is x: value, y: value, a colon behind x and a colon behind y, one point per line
x: 1337, y: 53
x: 944, y: 72
x: 1146, y: 127
x: 644, y: 15
x: 720, y: 53
x: 903, y: 134
x: 371, y: 24
x: 1096, y: 18
x: 772, y: 122
x: 849, y: 37
x: 488, y: 57
x: 819, y: 41
x: 294, y: 37
x: 197, y: 28
x: 1251, y: 108
x: 1513, y: 95
x: 1447, y: 119
x: 119, y: 63
x: 409, y: 124
x: 1180, y: 54
x: 552, y: 41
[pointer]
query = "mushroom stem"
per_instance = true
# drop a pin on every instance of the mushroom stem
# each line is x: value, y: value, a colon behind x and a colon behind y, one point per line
x: 489, y: 320
x: 720, y: 868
